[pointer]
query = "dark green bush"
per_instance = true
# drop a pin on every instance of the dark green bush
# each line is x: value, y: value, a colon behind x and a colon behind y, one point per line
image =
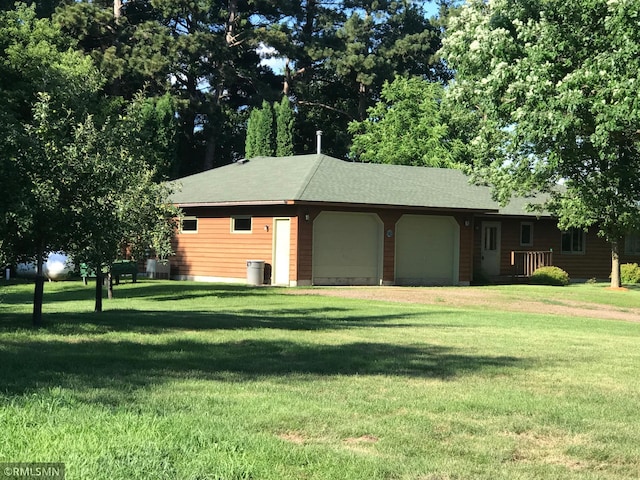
x: 630, y: 273
x: 549, y: 276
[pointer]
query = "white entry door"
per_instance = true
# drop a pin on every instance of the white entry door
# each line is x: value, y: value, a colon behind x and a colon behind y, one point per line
x: 281, y: 251
x: 490, y: 248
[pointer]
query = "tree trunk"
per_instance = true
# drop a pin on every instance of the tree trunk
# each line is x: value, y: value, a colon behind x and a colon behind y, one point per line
x: 286, y: 83
x: 230, y: 24
x: 210, y: 151
x: 98, y: 307
x: 38, y: 293
x: 362, y: 101
x: 615, y: 265
x: 110, y: 285
x: 117, y: 9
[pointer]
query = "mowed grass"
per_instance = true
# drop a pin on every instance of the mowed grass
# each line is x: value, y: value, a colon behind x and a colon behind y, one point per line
x: 180, y: 380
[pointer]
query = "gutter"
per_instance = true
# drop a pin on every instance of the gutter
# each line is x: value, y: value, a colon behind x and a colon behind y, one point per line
x: 233, y: 204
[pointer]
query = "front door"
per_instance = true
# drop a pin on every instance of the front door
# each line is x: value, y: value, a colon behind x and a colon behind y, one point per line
x: 281, y: 253
x: 490, y: 248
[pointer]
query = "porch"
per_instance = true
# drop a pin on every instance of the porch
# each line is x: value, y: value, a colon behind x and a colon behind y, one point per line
x: 525, y: 262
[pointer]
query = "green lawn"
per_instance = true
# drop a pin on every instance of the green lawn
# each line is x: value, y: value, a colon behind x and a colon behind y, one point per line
x: 180, y: 380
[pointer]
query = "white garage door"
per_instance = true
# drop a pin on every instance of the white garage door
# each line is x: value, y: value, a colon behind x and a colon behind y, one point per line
x: 347, y: 249
x: 427, y: 250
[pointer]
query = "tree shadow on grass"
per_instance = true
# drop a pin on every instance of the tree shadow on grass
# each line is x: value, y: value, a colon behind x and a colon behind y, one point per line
x: 81, y: 354
x: 155, y: 322
x: 124, y: 366
x: 163, y: 291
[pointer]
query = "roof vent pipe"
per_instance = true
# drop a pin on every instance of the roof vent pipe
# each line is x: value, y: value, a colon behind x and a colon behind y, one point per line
x: 318, y: 141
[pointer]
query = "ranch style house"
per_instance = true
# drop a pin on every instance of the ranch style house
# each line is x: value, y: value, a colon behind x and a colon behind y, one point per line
x: 316, y: 220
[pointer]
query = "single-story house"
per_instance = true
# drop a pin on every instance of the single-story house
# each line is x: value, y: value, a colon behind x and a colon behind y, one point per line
x: 317, y: 220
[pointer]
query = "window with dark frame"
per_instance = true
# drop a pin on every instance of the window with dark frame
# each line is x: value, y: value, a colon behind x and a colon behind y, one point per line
x: 526, y: 234
x: 189, y: 225
x: 241, y: 224
x: 632, y: 243
x: 573, y: 241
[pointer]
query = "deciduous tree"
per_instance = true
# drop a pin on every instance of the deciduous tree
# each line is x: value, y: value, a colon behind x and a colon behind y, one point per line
x: 554, y: 88
x: 47, y: 86
x: 405, y: 127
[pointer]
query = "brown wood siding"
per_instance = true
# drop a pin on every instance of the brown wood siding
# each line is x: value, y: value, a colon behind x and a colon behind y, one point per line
x: 389, y: 219
x: 214, y: 251
x: 595, y: 262
x: 305, y: 243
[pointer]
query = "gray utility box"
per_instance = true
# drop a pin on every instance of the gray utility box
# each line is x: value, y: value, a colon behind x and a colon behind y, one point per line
x: 255, y: 272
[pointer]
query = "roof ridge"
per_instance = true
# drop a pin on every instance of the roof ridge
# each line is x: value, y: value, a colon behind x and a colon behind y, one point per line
x: 307, y: 180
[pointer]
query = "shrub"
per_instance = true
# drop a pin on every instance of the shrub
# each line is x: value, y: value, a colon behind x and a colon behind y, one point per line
x: 549, y: 276
x: 630, y: 273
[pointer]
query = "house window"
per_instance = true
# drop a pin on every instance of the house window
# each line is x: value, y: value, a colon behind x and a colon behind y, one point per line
x: 632, y: 244
x: 241, y: 224
x: 491, y: 239
x: 526, y: 234
x: 573, y: 241
x: 189, y: 225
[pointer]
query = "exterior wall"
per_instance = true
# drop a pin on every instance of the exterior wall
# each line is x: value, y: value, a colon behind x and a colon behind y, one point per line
x: 595, y: 262
x: 215, y: 253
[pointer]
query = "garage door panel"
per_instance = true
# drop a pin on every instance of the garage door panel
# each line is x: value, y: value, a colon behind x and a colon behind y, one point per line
x: 346, y: 249
x: 427, y: 250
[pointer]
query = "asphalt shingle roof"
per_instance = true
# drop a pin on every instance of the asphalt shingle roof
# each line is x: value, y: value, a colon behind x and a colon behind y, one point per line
x: 319, y: 178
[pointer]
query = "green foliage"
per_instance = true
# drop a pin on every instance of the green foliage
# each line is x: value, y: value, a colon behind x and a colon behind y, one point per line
x: 149, y: 128
x: 549, y: 276
x: 117, y: 205
x: 75, y: 187
x: 284, y: 127
x: 203, y: 53
x: 552, y: 86
x: 251, y: 145
x: 270, y: 130
x: 630, y: 273
x: 47, y: 87
x: 264, y: 131
x: 405, y: 127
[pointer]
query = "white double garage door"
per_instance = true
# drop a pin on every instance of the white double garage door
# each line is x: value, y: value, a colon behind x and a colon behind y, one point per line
x: 348, y: 249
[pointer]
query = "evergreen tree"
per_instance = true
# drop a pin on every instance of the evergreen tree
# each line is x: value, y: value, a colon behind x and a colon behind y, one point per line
x: 270, y: 130
x: 264, y: 131
x: 251, y: 145
x: 342, y: 53
x: 338, y: 55
x: 284, y: 127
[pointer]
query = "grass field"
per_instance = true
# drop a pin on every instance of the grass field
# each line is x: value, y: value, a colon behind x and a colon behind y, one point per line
x: 179, y: 380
